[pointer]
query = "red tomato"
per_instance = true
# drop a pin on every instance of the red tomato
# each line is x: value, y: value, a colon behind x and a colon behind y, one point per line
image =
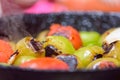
x: 67, y: 31
x: 46, y: 63
x: 5, y: 51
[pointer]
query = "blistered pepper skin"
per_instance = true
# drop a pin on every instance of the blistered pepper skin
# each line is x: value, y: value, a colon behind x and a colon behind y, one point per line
x: 60, y: 44
x: 29, y: 47
x: 104, y: 63
x: 88, y: 54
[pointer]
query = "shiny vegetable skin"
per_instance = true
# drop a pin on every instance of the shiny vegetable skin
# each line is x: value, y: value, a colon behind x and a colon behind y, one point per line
x: 88, y: 54
x: 111, y: 43
x: 90, y: 38
x: 46, y: 63
x: 5, y: 51
x: 29, y: 47
x: 104, y: 63
x: 105, y: 34
x: 62, y: 44
x: 22, y: 59
x: 68, y: 32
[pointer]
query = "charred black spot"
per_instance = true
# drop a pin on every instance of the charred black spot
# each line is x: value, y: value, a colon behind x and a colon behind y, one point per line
x: 98, y: 56
x: 70, y: 60
x: 13, y: 57
x: 50, y: 51
x: 36, y: 45
x: 15, y: 53
x: 107, y: 47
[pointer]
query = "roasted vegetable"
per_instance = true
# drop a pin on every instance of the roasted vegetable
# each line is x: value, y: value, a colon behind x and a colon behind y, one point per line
x: 111, y: 44
x: 67, y: 31
x: 90, y: 38
x: 22, y: 59
x: 42, y: 35
x: 5, y: 51
x: 88, y: 54
x: 104, y: 63
x: 45, y: 64
x: 72, y: 60
x: 55, y: 45
x: 30, y: 47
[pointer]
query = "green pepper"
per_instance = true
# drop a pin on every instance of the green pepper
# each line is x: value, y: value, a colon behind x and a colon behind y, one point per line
x: 88, y: 54
x: 60, y: 44
x: 90, y: 38
x: 104, y: 63
x: 30, y: 47
x: 22, y: 59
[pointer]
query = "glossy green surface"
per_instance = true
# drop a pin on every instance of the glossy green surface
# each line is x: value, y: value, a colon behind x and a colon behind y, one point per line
x: 25, y: 49
x: 22, y: 59
x: 87, y: 54
x: 60, y: 43
x: 90, y: 38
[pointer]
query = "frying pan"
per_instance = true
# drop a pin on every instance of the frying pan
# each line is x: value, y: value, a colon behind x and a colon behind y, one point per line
x: 18, y: 26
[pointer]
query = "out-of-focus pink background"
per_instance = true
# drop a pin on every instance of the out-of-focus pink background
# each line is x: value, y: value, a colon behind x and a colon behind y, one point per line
x: 48, y: 6
x: 8, y: 7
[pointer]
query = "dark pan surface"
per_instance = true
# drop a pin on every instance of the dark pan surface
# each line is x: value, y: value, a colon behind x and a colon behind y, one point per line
x: 15, y: 27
